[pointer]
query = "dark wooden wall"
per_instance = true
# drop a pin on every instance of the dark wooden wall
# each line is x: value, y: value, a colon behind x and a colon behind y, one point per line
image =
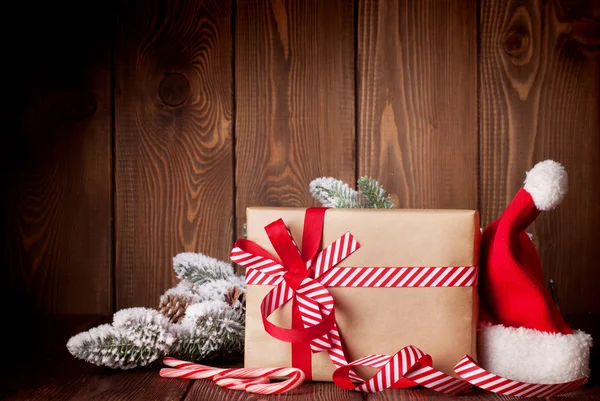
x: 135, y: 129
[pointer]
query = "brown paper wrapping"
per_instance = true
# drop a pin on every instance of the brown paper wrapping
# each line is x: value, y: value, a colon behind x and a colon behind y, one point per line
x: 439, y: 320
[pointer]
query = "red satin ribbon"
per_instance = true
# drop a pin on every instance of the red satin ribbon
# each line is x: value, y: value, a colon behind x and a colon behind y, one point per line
x: 314, y: 219
x: 284, y: 245
x: 295, y: 262
x: 302, y: 334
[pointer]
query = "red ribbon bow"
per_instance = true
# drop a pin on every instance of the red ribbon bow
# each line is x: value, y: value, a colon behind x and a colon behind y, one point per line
x: 296, y: 278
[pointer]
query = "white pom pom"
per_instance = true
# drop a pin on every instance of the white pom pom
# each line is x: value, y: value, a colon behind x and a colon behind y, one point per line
x: 547, y: 183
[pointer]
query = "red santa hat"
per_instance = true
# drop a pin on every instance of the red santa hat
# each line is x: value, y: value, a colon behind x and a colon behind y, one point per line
x: 522, y: 335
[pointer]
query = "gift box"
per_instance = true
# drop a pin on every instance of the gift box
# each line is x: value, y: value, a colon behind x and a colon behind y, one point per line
x: 404, y: 277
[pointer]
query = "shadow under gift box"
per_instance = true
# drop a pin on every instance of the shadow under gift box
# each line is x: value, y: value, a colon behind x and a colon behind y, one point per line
x: 440, y: 321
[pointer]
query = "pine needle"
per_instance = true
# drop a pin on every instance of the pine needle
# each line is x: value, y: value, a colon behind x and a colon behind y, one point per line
x: 334, y: 193
x: 372, y: 195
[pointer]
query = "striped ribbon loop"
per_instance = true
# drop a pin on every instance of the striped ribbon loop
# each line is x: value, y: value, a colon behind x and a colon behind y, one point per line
x: 315, y: 303
x: 261, y: 269
x: 408, y: 367
x: 411, y: 366
x: 471, y: 372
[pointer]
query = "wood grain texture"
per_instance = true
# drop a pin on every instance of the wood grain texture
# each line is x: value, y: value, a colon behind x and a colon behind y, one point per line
x: 27, y: 371
x: 417, y: 100
x: 539, y: 99
x: 585, y: 394
x: 64, y: 378
x: 144, y: 385
x: 294, y: 72
x: 55, y: 168
x: 31, y: 345
x: 207, y: 390
x: 51, y: 373
x: 174, y: 166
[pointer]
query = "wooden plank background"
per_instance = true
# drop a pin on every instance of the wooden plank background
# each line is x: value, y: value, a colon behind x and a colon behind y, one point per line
x: 417, y: 101
x: 294, y: 92
x: 56, y: 169
x: 173, y: 140
x: 145, y: 129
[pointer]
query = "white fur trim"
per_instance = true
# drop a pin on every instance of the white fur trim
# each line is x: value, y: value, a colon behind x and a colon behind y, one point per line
x: 547, y: 183
x: 533, y: 356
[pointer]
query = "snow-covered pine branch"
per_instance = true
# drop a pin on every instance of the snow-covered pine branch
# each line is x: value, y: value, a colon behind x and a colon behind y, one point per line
x: 335, y: 193
x: 209, y: 327
x: 202, y: 315
x: 216, y: 290
x: 199, y: 269
x: 332, y: 192
x: 138, y: 337
x: 183, y: 289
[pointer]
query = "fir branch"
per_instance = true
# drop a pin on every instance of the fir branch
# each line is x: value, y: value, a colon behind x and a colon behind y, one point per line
x: 199, y: 269
x: 183, y: 289
x: 140, y: 337
x: 333, y: 193
x: 208, y: 328
x: 217, y: 289
x: 372, y: 195
x: 137, y: 337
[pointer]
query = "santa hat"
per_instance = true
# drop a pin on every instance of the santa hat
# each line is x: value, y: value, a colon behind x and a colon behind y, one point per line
x: 522, y: 335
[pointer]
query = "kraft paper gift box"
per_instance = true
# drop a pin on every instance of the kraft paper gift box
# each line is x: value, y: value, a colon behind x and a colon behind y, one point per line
x: 440, y: 321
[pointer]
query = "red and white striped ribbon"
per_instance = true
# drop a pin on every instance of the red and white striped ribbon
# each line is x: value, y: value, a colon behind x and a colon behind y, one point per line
x: 411, y: 366
x: 265, y: 271
x: 334, y: 254
x: 315, y: 301
x: 314, y: 289
x: 408, y: 367
x: 469, y: 371
x: 252, y: 380
x: 421, y: 276
x: 259, y: 270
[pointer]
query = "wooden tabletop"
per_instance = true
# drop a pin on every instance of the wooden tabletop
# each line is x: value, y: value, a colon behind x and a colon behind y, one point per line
x: 49, y: 372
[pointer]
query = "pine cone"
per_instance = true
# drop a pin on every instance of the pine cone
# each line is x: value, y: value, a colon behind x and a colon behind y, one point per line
x: 235, y: 294
x: 173, y: 306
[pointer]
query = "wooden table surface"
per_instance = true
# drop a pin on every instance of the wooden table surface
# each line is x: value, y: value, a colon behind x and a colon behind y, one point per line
x: 49, y: 372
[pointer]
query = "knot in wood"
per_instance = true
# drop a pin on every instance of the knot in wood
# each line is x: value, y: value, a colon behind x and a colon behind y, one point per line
x: 516, y: 42
x: 174, y: 89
